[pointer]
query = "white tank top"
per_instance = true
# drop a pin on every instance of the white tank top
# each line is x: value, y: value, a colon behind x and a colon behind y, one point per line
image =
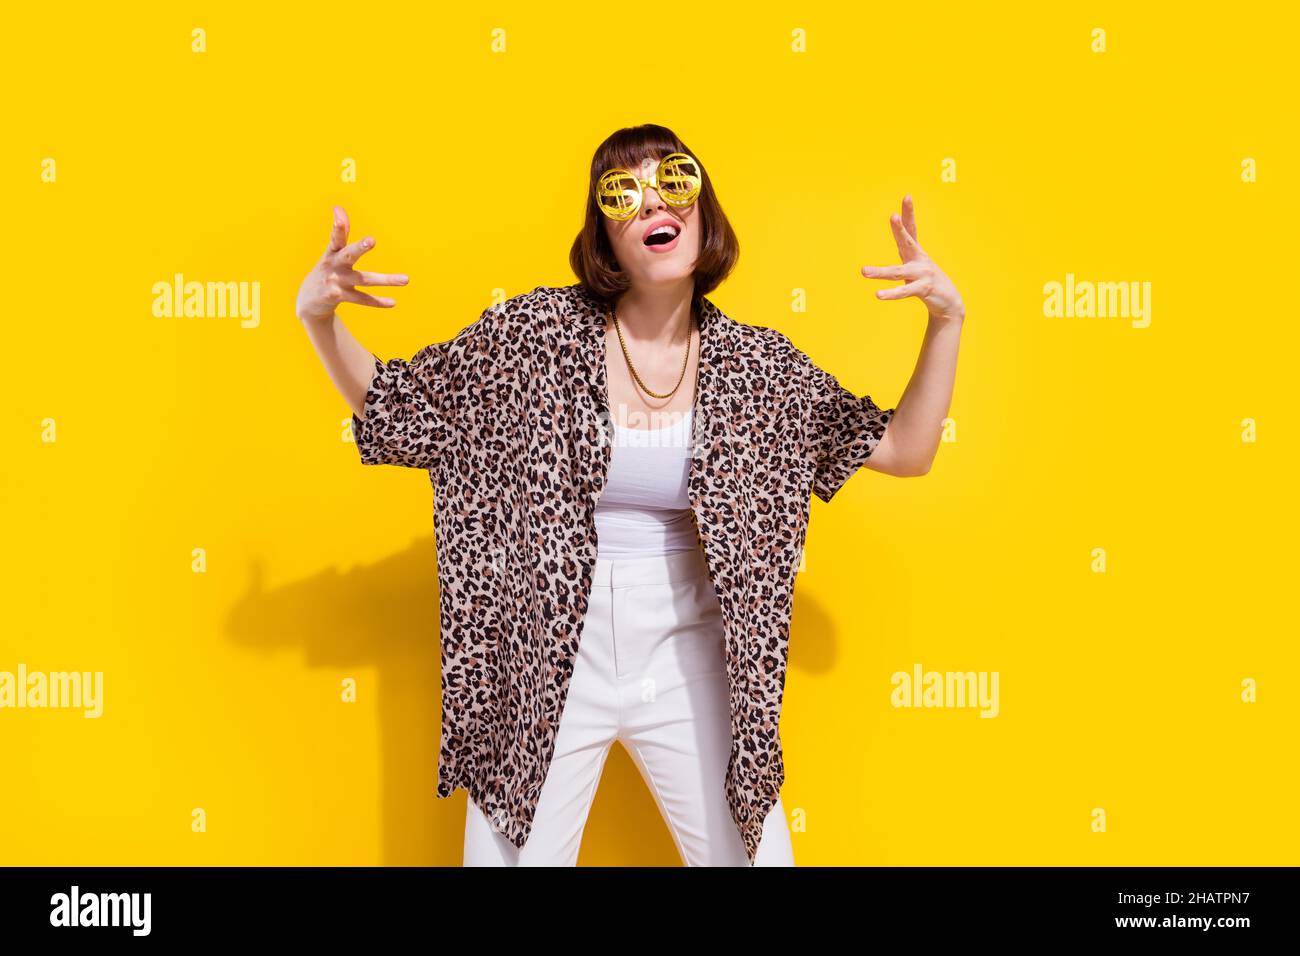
x: 644, y: 509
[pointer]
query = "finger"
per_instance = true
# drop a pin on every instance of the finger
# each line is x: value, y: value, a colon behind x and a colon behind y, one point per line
x: 375, y: 278
x: 908, y: 270
x: 351, y: 253
x: 907, y: 247
x: 339, y: 234
x: 909, y: 216
x: 902, y: 291
x: 364, y: 298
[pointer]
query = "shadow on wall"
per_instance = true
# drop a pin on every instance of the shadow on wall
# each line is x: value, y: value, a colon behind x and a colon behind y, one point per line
x: 385, y: 616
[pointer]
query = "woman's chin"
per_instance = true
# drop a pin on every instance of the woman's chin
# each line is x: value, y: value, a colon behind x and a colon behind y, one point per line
x: 675, y: 269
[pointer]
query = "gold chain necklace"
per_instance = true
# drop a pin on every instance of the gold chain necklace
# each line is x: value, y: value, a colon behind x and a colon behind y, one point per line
x: 631, y: 368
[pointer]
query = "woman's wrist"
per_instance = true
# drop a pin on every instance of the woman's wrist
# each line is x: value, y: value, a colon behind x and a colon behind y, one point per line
x: 945, y: 320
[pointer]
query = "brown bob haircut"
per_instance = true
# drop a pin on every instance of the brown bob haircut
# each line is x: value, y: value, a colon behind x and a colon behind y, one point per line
x: 592, y: 257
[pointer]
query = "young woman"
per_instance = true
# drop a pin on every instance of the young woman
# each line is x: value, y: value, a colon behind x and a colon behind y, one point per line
x: 622, y: 476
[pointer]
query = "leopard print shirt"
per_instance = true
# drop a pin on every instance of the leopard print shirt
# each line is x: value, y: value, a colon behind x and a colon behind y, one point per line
x: 511, y: 420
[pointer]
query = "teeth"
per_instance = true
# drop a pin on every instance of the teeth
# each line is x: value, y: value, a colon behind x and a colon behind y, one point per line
x: 670, y: 230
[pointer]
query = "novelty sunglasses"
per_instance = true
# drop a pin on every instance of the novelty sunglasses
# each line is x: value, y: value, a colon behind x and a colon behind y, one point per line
x: 677, y: 179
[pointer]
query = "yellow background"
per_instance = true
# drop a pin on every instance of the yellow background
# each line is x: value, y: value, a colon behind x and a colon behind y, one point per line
x: 1119, y: 690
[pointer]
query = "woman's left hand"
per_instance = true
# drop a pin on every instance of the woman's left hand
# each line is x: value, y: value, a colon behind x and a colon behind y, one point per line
x: 923, y: 278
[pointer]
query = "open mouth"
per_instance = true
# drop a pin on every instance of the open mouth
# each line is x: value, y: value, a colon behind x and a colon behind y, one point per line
x: 662, y: 235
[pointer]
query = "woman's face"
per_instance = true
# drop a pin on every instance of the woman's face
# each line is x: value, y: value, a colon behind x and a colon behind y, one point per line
x: 659, y: 262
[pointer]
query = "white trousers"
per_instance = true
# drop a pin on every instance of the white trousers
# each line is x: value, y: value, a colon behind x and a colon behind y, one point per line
x: 651, y: 674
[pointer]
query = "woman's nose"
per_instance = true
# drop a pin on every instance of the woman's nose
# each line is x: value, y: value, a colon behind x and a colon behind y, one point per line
x: 650, y: 201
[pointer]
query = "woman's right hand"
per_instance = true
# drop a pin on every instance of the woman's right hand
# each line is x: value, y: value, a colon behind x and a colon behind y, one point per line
x: 334, y: 280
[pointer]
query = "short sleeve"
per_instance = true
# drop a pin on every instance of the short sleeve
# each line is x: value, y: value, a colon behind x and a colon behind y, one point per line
x: 408, y: 418
x: 843, y: 428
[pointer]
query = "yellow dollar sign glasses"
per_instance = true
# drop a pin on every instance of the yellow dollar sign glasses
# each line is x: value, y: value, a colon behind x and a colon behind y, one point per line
x: 677, y: 179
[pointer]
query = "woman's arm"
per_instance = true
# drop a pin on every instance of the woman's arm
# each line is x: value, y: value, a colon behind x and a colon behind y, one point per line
x: 911, y: 441
x: 350, y: 365
x: 409, y: 412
